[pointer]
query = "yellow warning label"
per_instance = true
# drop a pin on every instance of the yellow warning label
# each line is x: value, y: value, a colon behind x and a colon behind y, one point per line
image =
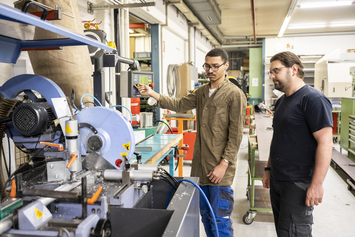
x: 38, y: 213
x: 127, y: 146
x: 124, y: 155
x: 68, y: 129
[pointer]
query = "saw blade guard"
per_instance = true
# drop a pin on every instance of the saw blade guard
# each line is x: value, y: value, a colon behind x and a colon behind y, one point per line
x: 114, y: 140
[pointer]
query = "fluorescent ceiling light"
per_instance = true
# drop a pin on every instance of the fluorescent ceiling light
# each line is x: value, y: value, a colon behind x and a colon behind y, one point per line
x: 283, y: 27
x: 342, y: 24
x: 306, y: 26
x: 287, y: 18
x: 318, y: 4
x: 137, y: 35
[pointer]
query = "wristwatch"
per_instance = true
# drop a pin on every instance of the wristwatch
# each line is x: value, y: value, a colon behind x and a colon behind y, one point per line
x: 226, y: 160
x: 267, y: 168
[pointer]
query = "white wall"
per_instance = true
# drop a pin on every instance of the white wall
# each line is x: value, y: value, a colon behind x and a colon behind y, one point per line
x: 315, y: 45
x: 174, y: 54
x: 309, y: 45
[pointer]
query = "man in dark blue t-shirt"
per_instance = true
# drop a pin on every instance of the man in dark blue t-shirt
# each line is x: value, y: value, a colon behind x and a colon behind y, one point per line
x: 300, y: 150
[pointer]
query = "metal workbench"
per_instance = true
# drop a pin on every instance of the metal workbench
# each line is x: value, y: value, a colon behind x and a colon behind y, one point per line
x: 258, y: 196
x: 157, y: 147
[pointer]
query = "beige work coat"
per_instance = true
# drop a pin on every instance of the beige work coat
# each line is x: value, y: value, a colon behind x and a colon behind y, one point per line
x: 220, y: 122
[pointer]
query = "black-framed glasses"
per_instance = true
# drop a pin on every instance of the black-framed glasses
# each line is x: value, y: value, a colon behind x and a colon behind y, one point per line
x: 214, y: 68
x: 275, y: 70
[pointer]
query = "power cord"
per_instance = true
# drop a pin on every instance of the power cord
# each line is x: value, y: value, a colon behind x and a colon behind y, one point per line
x: 204, y: 196
x: 161, y: 121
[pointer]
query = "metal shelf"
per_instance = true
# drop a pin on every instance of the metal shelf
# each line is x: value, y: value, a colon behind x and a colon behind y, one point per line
x: 12, y: 45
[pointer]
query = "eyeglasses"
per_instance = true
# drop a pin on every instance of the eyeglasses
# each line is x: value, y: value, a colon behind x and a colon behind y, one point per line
x: 214, y: 68
x: 275, y: 70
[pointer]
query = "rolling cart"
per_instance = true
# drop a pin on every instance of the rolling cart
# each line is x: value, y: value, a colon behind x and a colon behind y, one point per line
x: 258, y: 196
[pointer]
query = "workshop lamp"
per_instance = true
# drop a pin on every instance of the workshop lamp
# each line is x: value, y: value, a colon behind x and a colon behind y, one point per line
x: 307, y: 26
x: 318, y: 4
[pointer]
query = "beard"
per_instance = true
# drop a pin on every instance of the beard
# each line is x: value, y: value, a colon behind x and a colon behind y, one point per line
x: 283, y: 85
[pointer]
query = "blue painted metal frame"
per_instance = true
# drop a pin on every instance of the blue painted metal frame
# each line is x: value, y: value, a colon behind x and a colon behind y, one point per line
x: 11, y: 48
x: 155, y: 47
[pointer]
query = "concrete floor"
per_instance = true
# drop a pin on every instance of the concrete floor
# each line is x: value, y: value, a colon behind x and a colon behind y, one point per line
x: 332, y: 218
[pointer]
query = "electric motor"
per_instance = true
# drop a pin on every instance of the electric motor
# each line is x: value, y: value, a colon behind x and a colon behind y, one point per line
x: 32, y: 119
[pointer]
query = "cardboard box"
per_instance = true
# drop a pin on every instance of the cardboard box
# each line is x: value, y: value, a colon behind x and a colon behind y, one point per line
x: 245, y: 62
x: 187, y: 77
x: 234, y: 73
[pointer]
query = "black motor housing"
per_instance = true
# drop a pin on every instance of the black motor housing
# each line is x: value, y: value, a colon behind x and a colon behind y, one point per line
x: 32, y: 119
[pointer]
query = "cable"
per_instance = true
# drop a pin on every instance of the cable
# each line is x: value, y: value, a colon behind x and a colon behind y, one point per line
x: 81, y: 100
x: 168, y: 181
x: 74, y: 105
x: 89, y: 102
x: 125, y: 108
x: 8, y: 142
x: 160, y: 121
x: 4, y: 158
x: 166, y: 172
x: 204, y: 196
x: 168, y: 198
x: 66, y: 231
x: 16, y: 171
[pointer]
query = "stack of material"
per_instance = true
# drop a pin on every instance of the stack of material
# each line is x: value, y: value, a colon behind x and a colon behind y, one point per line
x: 245, y: 64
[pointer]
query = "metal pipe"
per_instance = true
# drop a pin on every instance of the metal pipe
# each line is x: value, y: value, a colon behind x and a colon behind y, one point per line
x: 49, y: 193
x: 241, y: 46
x: 252, y: 3
x: 64, y: 187
x: 147, y: 167
x: 135, y: 175
x: 5, y: 225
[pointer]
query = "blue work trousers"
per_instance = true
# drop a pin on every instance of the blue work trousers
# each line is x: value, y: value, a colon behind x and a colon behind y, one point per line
x: 293, y: 218
x: 222, y: 203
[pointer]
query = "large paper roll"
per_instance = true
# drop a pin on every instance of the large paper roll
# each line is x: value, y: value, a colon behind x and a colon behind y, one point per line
x: 70, y: 67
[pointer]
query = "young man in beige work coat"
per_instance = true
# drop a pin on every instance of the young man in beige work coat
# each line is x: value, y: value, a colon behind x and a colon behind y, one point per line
x: 220, y: 113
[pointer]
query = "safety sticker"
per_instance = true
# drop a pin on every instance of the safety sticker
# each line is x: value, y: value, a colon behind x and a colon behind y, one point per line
x: 68, y: 129
x: 124, y: 155
x: 127, y: 146
x: 38, y: 213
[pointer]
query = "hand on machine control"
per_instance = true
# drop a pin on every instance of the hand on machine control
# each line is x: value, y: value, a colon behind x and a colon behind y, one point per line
x: 146, y: 90
x: 143, y: 89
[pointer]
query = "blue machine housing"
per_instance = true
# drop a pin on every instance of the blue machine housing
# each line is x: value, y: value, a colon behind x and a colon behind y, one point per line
x: 114, y: 130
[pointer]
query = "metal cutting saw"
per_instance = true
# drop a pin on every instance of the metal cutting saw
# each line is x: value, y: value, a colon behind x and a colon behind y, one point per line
x: 80, y: 179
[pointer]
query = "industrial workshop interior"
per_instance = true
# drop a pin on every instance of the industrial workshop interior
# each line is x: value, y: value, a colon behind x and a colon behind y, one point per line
x: 83, y: 153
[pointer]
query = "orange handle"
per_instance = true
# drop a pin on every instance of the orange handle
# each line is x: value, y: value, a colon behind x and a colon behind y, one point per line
x: 73, y: 158
x: 13, y: 189
x: 59, y: 146
x: 95, y: 196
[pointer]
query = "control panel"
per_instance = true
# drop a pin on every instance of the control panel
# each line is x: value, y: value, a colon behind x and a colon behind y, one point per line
x: 131, y: 78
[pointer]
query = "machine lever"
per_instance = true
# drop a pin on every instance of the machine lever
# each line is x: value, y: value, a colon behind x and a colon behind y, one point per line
x: 95, y: 196
x: 13, y: 189
x: 73, y: 158
x: 59, y: 146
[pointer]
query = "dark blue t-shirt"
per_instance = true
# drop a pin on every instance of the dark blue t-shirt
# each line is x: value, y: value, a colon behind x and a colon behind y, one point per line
x: 293, y: 148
